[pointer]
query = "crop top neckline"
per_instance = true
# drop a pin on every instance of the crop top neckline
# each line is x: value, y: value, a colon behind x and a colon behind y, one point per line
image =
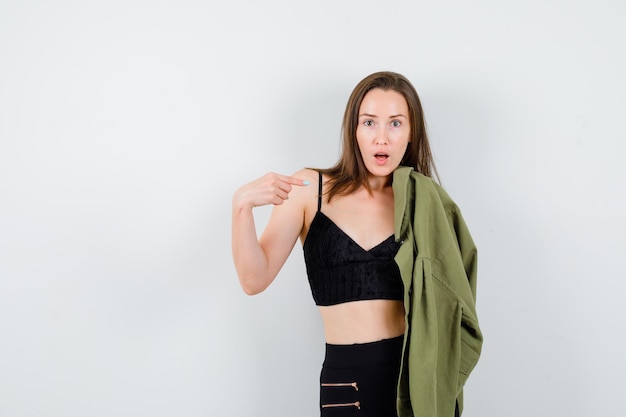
x: 341, y: 231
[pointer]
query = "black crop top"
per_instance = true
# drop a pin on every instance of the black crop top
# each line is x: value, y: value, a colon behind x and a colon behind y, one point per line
x: 340, y: 270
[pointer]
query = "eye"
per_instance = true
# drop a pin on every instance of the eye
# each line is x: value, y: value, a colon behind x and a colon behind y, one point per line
x: 368, y: 123
x: 396, y: 123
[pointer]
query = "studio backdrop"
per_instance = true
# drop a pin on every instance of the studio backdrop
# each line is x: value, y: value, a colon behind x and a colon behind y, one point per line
x: 126, y: 127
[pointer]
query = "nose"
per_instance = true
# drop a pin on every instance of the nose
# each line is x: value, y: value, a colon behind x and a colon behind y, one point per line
x: 381, y: 137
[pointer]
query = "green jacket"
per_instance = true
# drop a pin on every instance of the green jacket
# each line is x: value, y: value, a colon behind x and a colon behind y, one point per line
x: 437, y: 261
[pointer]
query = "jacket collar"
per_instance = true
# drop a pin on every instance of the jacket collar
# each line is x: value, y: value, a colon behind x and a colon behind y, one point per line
x: 400, y: 183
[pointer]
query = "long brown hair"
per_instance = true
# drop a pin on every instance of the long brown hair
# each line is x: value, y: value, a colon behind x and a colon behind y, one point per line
x: 349, y: 173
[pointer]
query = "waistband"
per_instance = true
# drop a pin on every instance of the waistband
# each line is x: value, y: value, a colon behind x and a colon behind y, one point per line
x: 381, y: 352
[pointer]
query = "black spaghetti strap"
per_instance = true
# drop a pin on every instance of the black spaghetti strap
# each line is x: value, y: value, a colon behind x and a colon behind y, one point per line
x: 319, y: 195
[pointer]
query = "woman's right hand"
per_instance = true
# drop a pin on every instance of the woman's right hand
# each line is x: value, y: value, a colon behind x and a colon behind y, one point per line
x: 271, y: 188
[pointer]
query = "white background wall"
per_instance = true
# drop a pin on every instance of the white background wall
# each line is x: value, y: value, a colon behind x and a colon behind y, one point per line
x: 126, y: 126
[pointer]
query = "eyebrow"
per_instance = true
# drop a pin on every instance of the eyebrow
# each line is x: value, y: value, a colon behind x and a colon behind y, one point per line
x: 374, y: 116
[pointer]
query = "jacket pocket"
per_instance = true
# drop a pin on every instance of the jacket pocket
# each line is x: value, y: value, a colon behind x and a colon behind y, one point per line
x: 471, y: 345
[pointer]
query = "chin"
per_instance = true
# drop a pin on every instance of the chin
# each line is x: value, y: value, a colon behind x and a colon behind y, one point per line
x: 381, y: 171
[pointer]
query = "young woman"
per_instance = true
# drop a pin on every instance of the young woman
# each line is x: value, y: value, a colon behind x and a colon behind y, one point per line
x: 344, y: 217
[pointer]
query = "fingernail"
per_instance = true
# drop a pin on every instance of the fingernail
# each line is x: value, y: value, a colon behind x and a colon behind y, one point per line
x: 305, y: 182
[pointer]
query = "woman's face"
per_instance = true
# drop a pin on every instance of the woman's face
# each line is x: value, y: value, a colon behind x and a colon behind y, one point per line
x: 383, y: 131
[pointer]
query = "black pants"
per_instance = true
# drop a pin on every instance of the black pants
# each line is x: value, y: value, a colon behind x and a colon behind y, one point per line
x: 361, y: 379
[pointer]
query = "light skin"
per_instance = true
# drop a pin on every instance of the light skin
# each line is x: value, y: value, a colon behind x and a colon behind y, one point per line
x: 382, y: 136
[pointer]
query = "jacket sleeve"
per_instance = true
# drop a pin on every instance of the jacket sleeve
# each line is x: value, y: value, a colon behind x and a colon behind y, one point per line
x: 467, y: 248
x: 471, y: 338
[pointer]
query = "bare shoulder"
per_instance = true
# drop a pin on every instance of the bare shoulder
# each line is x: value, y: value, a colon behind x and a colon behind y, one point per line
x: 296, y: 191
x: 307, y: 174
x: 303, y: 194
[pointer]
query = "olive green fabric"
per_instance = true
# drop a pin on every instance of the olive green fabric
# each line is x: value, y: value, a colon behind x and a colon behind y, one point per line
x: 437, y: 261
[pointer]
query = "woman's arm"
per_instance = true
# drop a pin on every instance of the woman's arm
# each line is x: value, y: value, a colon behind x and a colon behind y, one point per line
x: 258, y: 261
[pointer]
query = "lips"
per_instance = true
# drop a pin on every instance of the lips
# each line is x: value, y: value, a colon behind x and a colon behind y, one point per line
x: 381, y: 158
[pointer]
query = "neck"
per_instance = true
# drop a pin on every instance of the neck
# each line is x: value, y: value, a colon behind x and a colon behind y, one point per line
x: 379, y: 183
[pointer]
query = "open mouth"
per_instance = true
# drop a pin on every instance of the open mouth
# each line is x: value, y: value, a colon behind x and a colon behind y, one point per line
x: 381, y: 157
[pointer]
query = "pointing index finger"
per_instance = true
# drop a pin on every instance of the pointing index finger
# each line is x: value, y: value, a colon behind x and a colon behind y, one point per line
x: 294, y: 180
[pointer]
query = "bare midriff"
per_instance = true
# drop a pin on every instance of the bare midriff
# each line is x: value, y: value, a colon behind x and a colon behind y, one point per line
x: 362, y: 321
